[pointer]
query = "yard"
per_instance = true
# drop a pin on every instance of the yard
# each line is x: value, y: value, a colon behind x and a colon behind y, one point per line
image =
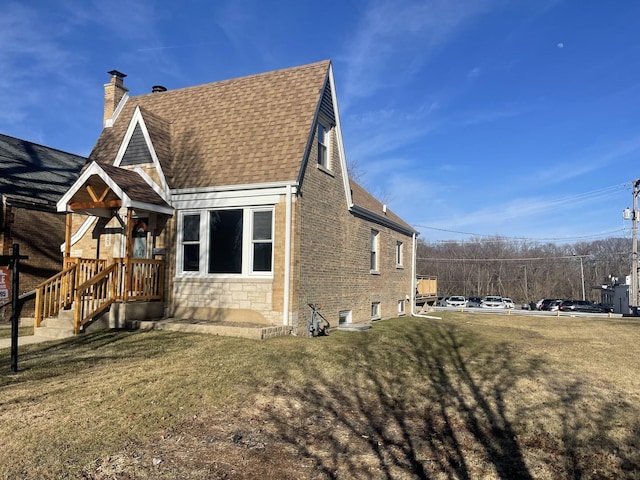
x: 465, y: 397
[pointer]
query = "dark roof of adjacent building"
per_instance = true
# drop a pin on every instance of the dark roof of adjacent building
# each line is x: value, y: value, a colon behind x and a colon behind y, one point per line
x: 32, y: 173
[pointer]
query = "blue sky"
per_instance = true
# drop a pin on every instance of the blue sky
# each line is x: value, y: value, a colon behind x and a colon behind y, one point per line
x: 470, y: 118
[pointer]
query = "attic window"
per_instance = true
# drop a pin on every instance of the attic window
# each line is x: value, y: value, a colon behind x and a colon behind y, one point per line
x: 323, y: 146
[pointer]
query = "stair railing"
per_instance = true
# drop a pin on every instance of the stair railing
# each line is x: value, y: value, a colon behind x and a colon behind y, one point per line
x: 94, y: 296
x: 54, y: 294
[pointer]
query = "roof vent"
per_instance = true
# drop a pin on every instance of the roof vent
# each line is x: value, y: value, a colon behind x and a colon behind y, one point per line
x: 158, y: 89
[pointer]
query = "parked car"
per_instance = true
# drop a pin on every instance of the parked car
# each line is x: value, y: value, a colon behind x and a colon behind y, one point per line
x: 492, y: 301
x: 579, y: 306
x: 442, y: 302
x: 508, y: 303
x: 606, y: 307
x: 474, y: 302
x: 456, y: 301
x: 555, y: 305
x: 544, y: 305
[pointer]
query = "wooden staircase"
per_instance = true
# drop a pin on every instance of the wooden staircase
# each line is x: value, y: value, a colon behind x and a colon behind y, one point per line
x: 86, y: 289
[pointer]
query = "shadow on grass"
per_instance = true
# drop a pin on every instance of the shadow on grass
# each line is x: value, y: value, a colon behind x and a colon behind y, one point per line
x: 64, y: 357
x: 430, y: 401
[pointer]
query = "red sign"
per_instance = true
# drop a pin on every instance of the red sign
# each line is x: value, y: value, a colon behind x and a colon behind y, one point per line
x: 5, y: 284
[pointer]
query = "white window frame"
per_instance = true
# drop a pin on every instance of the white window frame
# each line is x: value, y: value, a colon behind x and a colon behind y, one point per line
x: 374, y: 258
x: 253, y: 241
x: 401, y: 310
x: 375, y: 311
x: 181, y: 244
x: 399, y: 254
x: 247, y: 243
x: 324, y: 145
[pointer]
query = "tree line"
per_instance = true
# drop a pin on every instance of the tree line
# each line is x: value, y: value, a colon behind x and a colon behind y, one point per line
x: 525, y: 270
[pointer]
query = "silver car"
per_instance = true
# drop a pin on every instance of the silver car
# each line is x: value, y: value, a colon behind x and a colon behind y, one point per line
x: 508, y: 303
x: 492, y: 301
x: 456, y: 301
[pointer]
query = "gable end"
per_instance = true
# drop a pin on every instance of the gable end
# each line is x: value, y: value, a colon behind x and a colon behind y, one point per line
x: 137, y: 151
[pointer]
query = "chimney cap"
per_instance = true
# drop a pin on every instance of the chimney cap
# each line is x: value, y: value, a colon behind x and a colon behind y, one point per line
x: 116, y: 73
x: 158, y: 89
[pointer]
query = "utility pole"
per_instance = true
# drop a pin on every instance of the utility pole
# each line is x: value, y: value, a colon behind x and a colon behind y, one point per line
x: 634, y: 249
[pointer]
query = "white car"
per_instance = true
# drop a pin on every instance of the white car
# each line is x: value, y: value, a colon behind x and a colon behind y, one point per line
x: 508, y: 303
x: 456, y: 301
x: 492, y: 301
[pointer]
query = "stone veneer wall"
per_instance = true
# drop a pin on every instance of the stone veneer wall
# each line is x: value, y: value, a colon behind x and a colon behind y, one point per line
x: 225, y: 299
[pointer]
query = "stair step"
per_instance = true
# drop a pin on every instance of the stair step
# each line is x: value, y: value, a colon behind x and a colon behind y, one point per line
x: 59, y: 322
x: 53, y: 332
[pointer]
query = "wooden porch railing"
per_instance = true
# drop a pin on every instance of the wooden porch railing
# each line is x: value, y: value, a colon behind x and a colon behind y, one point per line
x: 94, y: 296
x: 92, y: 287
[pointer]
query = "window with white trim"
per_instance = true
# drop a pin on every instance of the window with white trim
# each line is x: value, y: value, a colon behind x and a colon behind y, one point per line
x: 323, y: 146
x: 375, y: 310
x: 399, y: 253
x: 374, y: 250
x: 190, y: 235
x: 262, y: 241
x: 400, y: 307
x: 237, y: 241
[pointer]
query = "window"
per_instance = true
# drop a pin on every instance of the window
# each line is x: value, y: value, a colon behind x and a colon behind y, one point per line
x: 399, y: 254
x: 262, y: 241
x: 344, y: 316
x: 323, y: 150
x: 400, y: 307
x: 225, y: 241
x: 374, y: 250
x: 375, y: 310
x: 228, y: 242
x: 190, y: 243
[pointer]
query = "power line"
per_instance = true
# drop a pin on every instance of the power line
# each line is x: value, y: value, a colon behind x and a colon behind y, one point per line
x: 499, y: 238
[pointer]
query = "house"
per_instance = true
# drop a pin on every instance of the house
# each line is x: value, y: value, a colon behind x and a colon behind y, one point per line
x: 230, y: 201
x: 32, y: 179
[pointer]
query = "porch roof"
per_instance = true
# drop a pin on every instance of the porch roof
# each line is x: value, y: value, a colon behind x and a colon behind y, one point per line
x: 101, y: 188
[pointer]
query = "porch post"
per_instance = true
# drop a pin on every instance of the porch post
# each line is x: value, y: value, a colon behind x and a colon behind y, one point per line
x: 67, y: 238
x: 127, y: 255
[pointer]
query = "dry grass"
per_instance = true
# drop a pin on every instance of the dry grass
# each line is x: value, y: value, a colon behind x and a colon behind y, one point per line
x: 468, y: 396
x: 5, y: 331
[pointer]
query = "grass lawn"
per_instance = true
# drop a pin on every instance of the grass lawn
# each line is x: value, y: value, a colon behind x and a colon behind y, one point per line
x: 5, y: 331
x: 469, y: 396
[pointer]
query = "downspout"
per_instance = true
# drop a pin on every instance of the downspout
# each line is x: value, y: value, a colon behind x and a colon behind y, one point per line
x: 414, y: 286
x: 287, y: 257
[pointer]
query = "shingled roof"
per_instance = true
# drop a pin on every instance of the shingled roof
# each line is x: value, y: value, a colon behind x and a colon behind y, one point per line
x: 36, y: 174
x: 367, y: 204
x: 241, y: 131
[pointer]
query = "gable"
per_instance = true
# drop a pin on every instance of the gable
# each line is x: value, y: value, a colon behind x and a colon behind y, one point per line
x: 327, y: 112
x: 137, y: 151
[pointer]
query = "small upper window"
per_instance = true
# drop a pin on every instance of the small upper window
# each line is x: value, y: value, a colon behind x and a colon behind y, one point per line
x: 323, y: 147
x: 374, y: 250
x: 399, y: 254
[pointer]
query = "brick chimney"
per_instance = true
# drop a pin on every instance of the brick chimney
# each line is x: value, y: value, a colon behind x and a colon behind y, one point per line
x: 113, y: 93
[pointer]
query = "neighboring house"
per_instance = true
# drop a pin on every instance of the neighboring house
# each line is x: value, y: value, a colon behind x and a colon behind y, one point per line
x: 240, y: 189
x: 32, y: 180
